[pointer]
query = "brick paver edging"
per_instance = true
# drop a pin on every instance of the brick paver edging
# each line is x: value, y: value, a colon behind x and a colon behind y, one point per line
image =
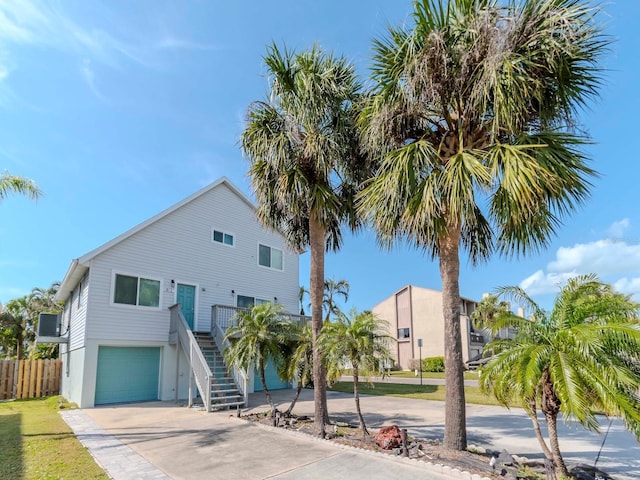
x: 118, y: 460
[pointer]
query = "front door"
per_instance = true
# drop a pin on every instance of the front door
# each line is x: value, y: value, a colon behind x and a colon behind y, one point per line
x: 186, y: 297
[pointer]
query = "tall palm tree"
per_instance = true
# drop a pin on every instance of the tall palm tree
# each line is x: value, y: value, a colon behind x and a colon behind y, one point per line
x: 360, y: 341
x: 472, y: 119
x: 580, y: 359
x: 255, y: 339
x: 305, y: 168
x: 333, y: 289
x: 16, y: 184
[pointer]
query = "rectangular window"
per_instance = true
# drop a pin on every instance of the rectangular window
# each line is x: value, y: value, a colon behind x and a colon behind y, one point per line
x: 249, y: 302
x: 80, y: 294
x: 270, y: 257
x: 403, y: 333
x: 222, y: 237
x: 130, y: 290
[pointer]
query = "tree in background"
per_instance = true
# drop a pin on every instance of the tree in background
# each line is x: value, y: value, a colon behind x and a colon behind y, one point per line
x: 302, y: 295
x: 19, y: 323
x: 305, y: 167
x: 333, y: 289
x: 359, y: 340
x: 15, y: 184
x: 473, y: 119
x: 255, y: 339
x: 581, y: 359
x: 298, y: 359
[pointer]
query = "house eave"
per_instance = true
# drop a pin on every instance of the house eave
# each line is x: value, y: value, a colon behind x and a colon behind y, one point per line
x: 71, y: 279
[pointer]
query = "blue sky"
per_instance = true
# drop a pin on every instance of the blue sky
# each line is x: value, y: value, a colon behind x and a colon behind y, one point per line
x: 119, y: 109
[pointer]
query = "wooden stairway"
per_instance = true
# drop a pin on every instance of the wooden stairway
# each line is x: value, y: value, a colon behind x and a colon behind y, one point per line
x: 224, y: 391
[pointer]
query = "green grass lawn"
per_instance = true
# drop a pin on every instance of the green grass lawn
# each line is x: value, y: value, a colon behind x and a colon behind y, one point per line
x: 410, y: 374
x: 422, y: 392
x: 35, y: 443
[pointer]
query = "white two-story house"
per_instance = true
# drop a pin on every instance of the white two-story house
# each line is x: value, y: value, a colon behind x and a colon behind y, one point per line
x: 132, y: 305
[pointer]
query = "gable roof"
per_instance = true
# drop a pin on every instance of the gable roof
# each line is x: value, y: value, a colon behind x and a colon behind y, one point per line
x: 80, y: 266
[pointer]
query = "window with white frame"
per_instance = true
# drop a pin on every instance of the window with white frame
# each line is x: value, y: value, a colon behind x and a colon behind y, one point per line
x: 130, y: 290
x: 219, y: 236
x: 244, y: 301
x: 269, y: 257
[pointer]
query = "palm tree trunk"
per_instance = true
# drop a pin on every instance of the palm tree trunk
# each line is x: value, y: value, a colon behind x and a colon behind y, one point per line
x: 558, y: 461
x: 263, y: 380
x: 531, y: 411
x: 295, y: 399
x: 455, y: 432
x: 316, y: 287
x: 356, y: 396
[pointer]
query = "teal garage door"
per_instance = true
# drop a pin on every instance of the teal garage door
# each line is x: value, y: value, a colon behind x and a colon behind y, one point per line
x: 271, y: 377
x: 127, y: 374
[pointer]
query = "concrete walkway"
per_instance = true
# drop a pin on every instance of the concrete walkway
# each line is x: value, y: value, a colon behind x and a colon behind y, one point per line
x: 183, y: 443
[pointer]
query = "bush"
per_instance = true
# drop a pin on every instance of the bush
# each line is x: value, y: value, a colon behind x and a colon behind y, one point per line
x: 433, y: 364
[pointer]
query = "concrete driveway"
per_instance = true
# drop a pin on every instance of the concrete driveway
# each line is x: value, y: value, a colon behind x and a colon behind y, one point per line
x: 185, y: 443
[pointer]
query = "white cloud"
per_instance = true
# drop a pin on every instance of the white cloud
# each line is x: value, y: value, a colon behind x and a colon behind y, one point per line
x: 617, y: 229
x: 614, y: 261
x: 602, y: 257
x: 629, y: 286
x: 542, y: 283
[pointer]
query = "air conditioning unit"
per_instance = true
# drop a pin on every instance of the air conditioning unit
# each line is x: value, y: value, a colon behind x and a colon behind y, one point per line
x: 49, y: 328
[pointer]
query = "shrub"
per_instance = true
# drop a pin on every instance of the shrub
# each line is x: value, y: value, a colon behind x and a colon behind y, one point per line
x: 433, y: 364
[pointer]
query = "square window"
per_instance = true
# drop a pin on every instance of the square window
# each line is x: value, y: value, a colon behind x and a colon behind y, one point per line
x: 404, y: 333
x: 149, y: 293
x: 130, y: 290
x: 219, y: 236
x: 126, y: 291
x: 270, y: 257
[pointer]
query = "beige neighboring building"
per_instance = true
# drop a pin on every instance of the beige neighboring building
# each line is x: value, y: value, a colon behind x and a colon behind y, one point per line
x: 416, y: 313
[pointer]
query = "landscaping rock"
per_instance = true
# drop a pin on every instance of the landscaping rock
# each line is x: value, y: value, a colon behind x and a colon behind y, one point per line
x: 389, y: 437
x: 505, y: 458
x: 587, y: 472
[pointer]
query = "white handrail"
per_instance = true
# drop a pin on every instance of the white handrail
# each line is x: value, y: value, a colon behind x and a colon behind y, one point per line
x: 240, y: 377
x: 197, y: 363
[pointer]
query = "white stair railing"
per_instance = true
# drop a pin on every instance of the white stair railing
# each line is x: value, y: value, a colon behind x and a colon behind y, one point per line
x: 198, y: 366
x: 219, y: 324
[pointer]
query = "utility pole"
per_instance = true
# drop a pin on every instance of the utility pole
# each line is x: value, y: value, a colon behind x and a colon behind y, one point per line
x: 420, y: 350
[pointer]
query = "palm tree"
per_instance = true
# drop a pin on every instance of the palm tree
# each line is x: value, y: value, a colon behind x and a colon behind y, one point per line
x: 471, y: 119
x: 298, y: 359
x: 360, y: 341
x: 580, y: 359
x: 305, y: 168
x: 15, y: 326
x: 13, y: 183
x: 332, y: 289
x: 302, y: 294
x: 255, y: 339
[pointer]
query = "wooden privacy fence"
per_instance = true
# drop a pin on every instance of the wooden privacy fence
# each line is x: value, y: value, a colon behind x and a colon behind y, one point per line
x: 29, y: 378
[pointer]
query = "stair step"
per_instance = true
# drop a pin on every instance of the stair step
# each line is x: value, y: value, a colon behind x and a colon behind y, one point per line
x: 227, y: 397
x: 229, y: 390
x: 217, y: 406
